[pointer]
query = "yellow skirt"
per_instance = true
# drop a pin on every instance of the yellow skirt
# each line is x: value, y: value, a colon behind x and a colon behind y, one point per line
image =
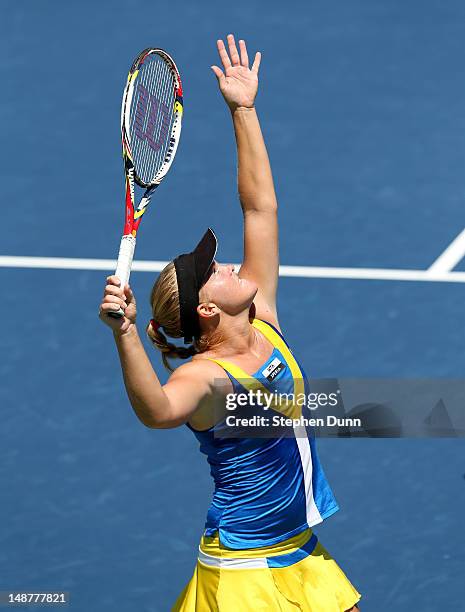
x: 297, y: 574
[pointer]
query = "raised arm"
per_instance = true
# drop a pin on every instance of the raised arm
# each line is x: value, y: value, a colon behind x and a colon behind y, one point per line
x: 239, y: 84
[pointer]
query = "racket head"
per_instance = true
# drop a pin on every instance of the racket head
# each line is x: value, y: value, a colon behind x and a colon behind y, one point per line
x: 151, y: 116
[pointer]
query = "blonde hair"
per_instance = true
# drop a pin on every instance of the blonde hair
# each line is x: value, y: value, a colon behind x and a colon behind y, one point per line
x: 164, y: 300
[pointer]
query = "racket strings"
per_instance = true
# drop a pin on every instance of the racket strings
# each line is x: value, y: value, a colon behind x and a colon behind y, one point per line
x: 151, y: 117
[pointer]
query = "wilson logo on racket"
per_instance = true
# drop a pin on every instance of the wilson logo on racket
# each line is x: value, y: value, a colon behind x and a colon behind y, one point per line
x: 152, y: 119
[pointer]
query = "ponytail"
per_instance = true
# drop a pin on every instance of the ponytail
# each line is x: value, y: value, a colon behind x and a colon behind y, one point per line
x: 168, y: 349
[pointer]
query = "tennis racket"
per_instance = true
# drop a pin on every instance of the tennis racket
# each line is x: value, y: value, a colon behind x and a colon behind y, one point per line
x: 151, y: 115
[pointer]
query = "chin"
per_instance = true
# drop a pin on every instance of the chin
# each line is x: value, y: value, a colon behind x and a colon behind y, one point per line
x: 251, y: 285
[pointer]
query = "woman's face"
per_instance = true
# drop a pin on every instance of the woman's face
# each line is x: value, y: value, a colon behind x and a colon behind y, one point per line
x: 224, y: 287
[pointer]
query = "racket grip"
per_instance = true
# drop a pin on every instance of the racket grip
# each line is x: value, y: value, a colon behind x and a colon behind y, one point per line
x: 123, y: 267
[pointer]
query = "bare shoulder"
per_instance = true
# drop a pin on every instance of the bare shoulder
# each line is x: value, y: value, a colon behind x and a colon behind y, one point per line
x: 190, y: 386
x: 194, y: 369
x: 211, y: 381
x: 200, y: 368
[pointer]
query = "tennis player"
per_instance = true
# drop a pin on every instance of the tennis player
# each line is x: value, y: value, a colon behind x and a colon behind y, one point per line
x: 258, y: 550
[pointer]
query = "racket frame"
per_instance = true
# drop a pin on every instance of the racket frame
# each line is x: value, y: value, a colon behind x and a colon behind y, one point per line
x: 133, y: 216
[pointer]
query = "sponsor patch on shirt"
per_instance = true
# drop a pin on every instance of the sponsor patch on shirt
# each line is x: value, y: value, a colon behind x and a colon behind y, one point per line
x: 273, y: 369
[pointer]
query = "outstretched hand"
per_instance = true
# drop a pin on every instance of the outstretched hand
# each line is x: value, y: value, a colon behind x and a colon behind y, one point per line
x: 238, y: 83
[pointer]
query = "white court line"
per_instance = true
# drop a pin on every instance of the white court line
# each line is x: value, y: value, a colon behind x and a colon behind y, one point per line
x: 451, y: 256
x: 386, y: 274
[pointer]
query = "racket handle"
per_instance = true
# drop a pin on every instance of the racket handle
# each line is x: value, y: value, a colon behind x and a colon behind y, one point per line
x: 123, y: 267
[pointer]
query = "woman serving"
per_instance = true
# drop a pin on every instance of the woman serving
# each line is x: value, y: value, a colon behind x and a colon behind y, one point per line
x: 258, y: 550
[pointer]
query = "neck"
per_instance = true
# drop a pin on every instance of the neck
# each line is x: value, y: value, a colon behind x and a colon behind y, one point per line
x: 235, y: 335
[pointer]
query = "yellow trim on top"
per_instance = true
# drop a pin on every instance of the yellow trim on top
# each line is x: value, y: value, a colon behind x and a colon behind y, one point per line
x: 287, y: 408
x: 279, y: 343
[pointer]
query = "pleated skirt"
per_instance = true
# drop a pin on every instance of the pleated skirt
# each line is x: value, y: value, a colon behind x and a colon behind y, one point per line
x: 295, y: 575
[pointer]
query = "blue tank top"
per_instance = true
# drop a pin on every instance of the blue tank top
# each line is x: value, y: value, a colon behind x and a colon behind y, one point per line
x: 266, y: 489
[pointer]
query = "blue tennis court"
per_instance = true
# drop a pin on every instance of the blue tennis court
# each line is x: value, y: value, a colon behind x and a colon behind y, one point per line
x: 362, y: 108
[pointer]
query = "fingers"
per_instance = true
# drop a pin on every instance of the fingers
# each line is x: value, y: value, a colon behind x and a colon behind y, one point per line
x: 112, y: 290
x: 244, y: 56
x: 113, y: 280
x: 114, y: 300
x: 114, y: 294
x: 218, y: 73
x: 223, y: 54
x: 235, y: 59
x: 129, y: 295
x: 109, y: 307
x: 256, y: 62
